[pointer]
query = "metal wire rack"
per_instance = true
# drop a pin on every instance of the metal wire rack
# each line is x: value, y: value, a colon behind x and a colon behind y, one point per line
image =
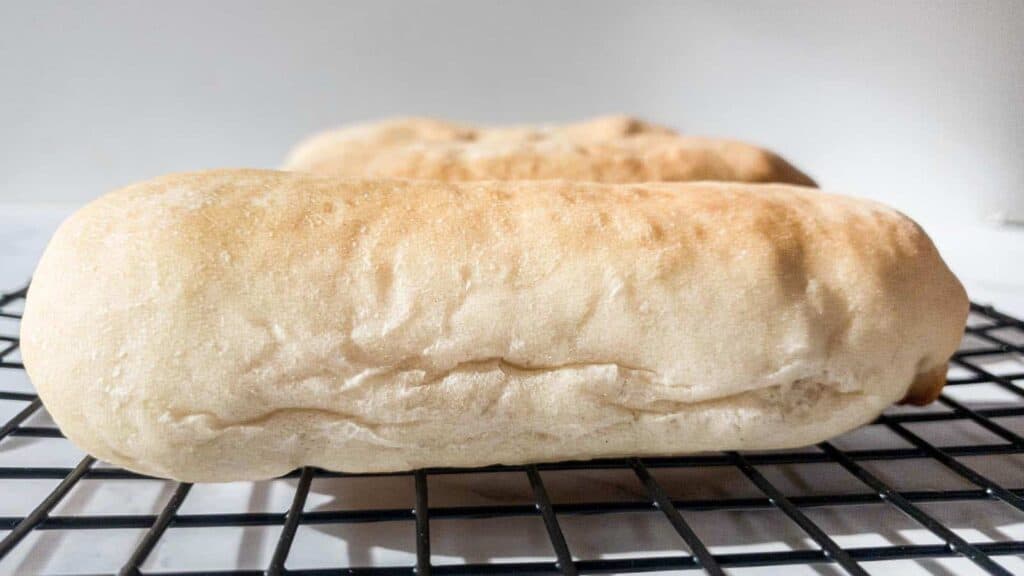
x: 990, y: 335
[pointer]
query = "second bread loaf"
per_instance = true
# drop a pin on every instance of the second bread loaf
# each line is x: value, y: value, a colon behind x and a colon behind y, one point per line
x: 609, y: 149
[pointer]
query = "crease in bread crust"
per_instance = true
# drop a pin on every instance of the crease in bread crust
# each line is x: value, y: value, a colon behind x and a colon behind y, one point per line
x: 783, y: 404
x: 623, y: 400
x: 235, y: 324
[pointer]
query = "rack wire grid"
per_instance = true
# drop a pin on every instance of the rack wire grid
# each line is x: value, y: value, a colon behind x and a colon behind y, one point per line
x: 986, y: 461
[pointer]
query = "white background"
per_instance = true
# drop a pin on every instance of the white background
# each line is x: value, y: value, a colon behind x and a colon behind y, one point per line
x: 917, y: 103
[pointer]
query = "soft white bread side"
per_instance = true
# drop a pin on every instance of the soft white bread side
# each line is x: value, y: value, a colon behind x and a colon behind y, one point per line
x: 606, y: 149
x: 236, y: 324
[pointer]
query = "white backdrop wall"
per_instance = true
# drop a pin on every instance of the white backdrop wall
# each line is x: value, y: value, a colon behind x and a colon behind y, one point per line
x: 915, y: 103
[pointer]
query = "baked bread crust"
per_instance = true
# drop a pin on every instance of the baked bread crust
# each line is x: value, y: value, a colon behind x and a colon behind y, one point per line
x: 607, y: 149
x: 237, y: 324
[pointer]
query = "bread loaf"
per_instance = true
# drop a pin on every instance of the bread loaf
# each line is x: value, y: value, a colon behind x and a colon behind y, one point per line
x: 237, y: 324
x: 609, y: 149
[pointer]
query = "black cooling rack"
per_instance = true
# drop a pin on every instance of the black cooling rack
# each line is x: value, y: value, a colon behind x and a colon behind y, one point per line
x: 990, y: 334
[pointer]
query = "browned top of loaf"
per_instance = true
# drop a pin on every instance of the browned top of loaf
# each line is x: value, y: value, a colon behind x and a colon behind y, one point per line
x: 606, y: 149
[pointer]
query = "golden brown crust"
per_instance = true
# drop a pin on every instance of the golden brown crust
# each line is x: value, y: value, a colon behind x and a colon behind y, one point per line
x: 607, y: 149
x: 927, y: 386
